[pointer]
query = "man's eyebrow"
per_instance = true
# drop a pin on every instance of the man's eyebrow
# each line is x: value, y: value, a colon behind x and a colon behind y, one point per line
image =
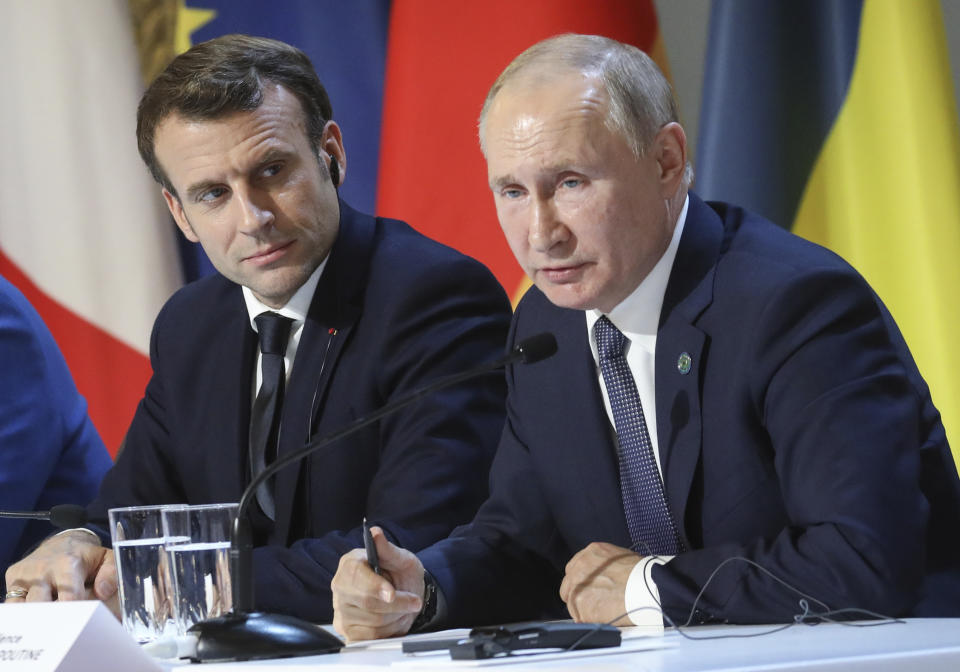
x: 502, y: 181
x: 555, y: 169
x: 195, y: 190
x: 273, y: 154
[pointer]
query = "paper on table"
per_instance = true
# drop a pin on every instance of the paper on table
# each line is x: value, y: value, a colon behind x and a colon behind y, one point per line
x: 283, y: 665
x: 397, y: 642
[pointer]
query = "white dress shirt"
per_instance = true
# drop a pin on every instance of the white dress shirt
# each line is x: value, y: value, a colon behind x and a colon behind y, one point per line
x: 296, y: 309
x: 638, y: 317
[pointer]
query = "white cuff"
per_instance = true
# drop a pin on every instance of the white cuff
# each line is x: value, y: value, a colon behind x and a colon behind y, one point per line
x: 642, y: 599
x: 81, y: 529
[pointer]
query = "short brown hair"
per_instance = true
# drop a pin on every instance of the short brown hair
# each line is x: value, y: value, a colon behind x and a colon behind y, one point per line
x: 226, y: 75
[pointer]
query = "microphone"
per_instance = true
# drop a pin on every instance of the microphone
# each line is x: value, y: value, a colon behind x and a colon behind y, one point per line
x: 244, y: 634
x: 63, y: 516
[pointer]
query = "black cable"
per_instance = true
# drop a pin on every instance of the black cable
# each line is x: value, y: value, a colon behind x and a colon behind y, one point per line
x: 805, y: 617
x: 798, y: 619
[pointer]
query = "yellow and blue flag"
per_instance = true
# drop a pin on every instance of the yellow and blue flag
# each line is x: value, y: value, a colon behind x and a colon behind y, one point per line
x: 838, y: 120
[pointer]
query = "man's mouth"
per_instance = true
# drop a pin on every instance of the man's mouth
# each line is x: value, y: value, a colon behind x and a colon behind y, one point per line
x: 269, y: 255
x: 562, y: 273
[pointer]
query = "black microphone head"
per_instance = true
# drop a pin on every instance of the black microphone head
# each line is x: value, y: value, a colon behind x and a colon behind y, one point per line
x: 66, y: 516
x: 535, y: 348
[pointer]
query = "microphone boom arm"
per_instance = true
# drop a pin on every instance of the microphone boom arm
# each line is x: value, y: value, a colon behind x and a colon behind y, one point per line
x: 244, y: 634
x: 529, y: 350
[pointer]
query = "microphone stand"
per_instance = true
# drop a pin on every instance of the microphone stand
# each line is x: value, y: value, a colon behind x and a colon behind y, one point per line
x: 59, y: 515
x: 244, y: 634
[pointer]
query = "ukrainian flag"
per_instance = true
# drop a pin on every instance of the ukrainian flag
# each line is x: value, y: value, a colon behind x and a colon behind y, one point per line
x: 838, y: 119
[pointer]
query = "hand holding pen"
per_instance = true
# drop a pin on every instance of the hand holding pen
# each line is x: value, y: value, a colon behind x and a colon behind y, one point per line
x: 368, y: 604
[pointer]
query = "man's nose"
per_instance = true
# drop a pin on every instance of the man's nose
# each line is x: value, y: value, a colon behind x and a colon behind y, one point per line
x: 546, y: 228
x: 255, y: 213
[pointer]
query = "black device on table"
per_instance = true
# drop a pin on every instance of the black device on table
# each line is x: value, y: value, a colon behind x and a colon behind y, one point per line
x: 501, y: 640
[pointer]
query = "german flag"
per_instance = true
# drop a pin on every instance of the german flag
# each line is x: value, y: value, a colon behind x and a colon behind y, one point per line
x: 838, y: 119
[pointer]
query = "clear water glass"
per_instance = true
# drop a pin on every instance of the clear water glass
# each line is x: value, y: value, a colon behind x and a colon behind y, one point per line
x: 144, y: 572
x: 198, y: 547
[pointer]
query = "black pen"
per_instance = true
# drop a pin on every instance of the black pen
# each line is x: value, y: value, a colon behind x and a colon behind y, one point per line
x: 370, y: 548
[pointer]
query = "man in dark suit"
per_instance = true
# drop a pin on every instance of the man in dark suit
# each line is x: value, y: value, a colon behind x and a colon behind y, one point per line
x: 238, y: 131
x: 726, y: 397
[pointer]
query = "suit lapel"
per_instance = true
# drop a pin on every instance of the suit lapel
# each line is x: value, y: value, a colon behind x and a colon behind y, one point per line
x: 680, y: 352
x: 334, y: 310
x: 678, y: 413
x: 236, y: 352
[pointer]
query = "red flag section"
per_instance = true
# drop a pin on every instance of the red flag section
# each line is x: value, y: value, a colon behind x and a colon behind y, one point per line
x: 442, y: 58
x: 108, y: 373
x: 83, y: 230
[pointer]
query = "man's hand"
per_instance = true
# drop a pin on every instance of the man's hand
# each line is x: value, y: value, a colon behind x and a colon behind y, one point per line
x: 367, y: 606
x: 69, y: 566
x: 595, y: 582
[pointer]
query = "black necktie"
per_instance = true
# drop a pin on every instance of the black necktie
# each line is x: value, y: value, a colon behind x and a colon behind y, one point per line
x: 274, y: 331
x: 648, y: 516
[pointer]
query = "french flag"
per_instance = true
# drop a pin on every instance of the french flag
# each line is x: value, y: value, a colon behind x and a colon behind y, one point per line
x: 83, y: 232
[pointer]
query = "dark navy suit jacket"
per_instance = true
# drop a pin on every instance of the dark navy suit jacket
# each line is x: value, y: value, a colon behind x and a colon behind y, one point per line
x: 50, y: 452
x: 392, y: 311
x: 802, y: 438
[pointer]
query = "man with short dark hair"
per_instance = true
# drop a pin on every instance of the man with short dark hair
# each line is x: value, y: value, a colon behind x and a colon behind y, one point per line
x: 350, y: 312
x: 732, y: 424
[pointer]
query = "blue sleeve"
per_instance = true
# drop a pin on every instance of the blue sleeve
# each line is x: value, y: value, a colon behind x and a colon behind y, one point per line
x: 50, y: 452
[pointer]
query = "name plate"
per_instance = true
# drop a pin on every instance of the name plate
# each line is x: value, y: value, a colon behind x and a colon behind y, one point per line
x: 67, y: 637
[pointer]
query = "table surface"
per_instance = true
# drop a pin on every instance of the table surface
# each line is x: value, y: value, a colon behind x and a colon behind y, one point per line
x: 929, y: 645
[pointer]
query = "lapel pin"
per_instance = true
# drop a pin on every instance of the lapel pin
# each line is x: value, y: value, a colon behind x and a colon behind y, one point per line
x: 683, y: 363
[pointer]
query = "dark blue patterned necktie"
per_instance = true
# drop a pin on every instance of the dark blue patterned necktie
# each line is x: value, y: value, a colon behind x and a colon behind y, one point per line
x: 651, y: 527
x: 274, y: 332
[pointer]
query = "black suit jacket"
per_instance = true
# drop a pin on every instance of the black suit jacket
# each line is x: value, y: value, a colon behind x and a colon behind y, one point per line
x: 802, y: 438
x: 393, y: 310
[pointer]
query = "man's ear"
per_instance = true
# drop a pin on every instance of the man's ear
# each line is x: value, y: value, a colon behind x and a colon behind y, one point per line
x: 176, y: 209
x: 670, y: 145
x: 332, y: 144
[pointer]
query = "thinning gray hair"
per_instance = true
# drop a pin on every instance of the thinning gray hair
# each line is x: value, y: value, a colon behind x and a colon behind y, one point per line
x: 640, y: 99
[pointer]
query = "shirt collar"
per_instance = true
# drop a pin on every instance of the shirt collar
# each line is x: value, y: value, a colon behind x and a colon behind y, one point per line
x: 296, y: 308
x: 639, y: 313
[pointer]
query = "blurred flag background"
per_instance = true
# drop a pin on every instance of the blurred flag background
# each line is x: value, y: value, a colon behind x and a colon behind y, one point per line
x: 834, y: 118
x: 838, y: 119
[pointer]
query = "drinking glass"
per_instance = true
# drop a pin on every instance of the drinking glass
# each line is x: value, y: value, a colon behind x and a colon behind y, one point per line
x: 143, y: 571
x: 198, y: 545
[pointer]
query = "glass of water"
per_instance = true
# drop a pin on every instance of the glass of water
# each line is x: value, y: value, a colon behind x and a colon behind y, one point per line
x: 143, y: 571
x: 198, y: 545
